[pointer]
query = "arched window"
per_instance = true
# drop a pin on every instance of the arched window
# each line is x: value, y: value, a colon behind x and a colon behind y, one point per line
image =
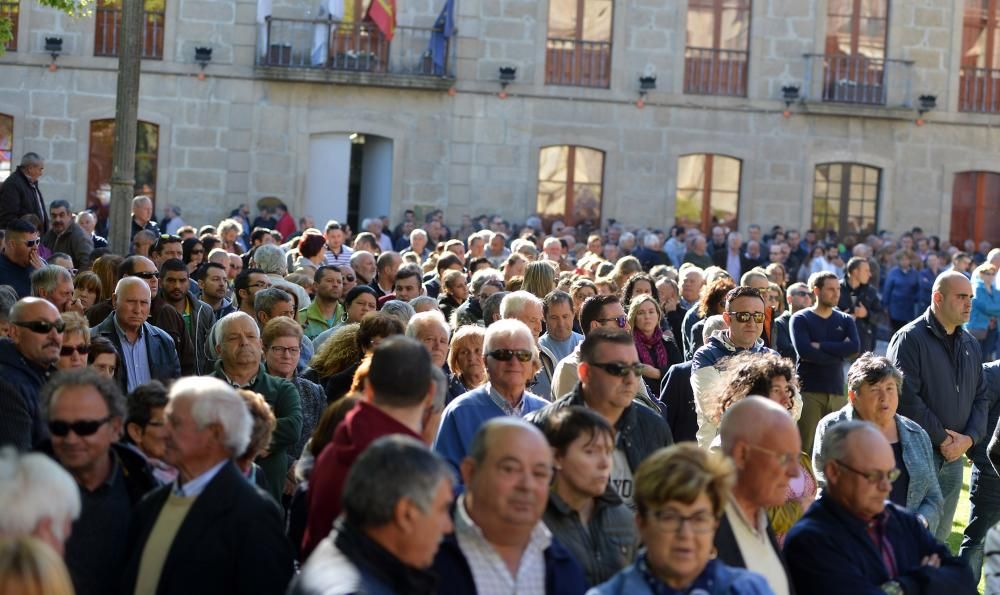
x: 570, y: 184
x: 6, y: 145
x: 101, y: 156
x: 708, y: 191
x: 578, y: 50
x: 979, y: 84
x: 108, y: 26
x: 845, y: 198
x: 717, y: 48
x: 975, y: 202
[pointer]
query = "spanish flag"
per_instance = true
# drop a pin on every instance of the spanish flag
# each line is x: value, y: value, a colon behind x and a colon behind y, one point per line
x: 383, y: 14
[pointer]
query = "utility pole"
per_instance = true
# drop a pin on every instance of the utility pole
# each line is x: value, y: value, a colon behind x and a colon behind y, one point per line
x: 126, y: 117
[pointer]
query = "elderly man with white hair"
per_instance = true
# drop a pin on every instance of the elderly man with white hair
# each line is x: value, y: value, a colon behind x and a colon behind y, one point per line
x: 431, y: 329
x: 239, y: 347
x: 529, y: 309
x: 211, y: 531
x: 37, y: 498
x: 148, y: 352
x: 511, y: 356
x: 142, y: 216
x: 271, y: 259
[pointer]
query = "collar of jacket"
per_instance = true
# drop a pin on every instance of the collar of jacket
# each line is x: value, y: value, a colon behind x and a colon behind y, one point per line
x: 937, y: 329
x: 625, y: 421
x: 608, y: 499
x: 721, y: 338
x: 374, y: 560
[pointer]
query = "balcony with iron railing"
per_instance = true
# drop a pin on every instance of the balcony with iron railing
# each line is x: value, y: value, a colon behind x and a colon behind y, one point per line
x: 578, y: 63
x: 858, y: 80
x: 979, y: 90
x: 355, y: 53
x: 108, y: 26
x: 709, y: 71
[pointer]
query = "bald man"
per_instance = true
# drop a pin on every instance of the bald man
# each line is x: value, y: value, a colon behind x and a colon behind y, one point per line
x: 26, y: 362
x: 830, y: 550
x: 943, y: 387
x: 763, y: 441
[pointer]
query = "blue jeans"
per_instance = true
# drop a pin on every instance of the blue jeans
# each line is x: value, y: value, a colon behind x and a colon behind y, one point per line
x: 950, y: 478
x: 984, y: 512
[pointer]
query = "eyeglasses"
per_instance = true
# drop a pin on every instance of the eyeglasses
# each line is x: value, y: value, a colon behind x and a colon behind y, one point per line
x: 757, y: 317
x: 67, y: 350
x: 145, y: 275
x: 349, y: 278
x: 784, y: 458
x: 800, y: 293
x: 620, y: 370
x: 505, y: 355
x: 84, y: 427
x: 42, y: 327
x: 621, y: 321
x: 198, y: 251
x: 873, y: 477
x: 259, y: 284
x: 172, y: 238
x: 672, y: 522
x: 282, y: 351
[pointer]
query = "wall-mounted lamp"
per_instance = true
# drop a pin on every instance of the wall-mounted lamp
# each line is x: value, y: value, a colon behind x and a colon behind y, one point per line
x: 507, y: 76
x: 647, y: 83
x: 53, y: 45
x: 927, y: 103
x: 790, y: 94
x: 202, y: 56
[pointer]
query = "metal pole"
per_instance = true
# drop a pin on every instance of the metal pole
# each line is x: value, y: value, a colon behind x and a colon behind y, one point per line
x: 126, y: 115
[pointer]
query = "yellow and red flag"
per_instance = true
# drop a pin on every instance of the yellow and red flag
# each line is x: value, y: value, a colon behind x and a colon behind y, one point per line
x: 383, y: 14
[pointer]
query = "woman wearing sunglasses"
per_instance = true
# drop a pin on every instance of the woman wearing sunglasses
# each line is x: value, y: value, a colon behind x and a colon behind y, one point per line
x: 193, y: 253
x: 75, y: 343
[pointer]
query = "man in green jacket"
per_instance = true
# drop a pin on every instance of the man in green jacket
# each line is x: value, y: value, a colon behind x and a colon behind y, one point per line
x: 237, y: 341
x: 325, y: 311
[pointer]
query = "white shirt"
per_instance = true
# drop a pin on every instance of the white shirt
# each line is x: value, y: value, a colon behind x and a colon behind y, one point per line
x: 621, y: 477
x: 197, y: 485
x: 489, y: 571
x: 758, y: 553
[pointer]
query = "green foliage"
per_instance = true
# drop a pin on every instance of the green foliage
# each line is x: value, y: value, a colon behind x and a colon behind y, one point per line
x: 74, y: 8
x: 6, y: 34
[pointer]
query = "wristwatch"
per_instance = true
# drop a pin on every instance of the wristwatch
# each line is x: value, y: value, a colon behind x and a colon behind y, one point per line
x: 892, y: 588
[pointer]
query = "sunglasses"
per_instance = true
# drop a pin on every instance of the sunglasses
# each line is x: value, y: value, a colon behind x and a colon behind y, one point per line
x: 197, y: 252
x: 757, y: 317
x: 621, y: 321
x: 86, y: 427
x: 32, y: 243
x: 505, y: 355
x: 800, y: 293
x: 67, y: 350
x: 620, y: 370
x: 42, y: 327
x: 146, y: 275
x: 349, y: 278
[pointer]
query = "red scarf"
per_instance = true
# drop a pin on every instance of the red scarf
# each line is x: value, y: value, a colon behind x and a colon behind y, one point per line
x: 651, y: 349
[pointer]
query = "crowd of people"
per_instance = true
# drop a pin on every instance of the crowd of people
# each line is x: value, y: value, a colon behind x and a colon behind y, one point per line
x: 277, y: 407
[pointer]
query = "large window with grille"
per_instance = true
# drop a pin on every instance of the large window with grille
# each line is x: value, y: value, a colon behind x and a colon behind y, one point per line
x: 578, y: 48
x: 708, y: 191
x: 108, y: 27
x: 718, y: 47
x: 570, y: 184
x: 845, y: 198
x: 979, y: 82
x: 101, y: 156
x: 854, y: 57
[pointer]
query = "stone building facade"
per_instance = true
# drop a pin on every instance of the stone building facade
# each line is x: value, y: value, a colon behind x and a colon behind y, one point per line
x: 267, y: 121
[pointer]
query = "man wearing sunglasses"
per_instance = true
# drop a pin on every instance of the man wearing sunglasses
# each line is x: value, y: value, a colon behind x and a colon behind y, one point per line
x: 610, y: 373
x: 853, y: 541
x: 744, y: 315
x: 26, y: 362
x: 84, y: 416
x: 824, y: 338
x: 20, y: 256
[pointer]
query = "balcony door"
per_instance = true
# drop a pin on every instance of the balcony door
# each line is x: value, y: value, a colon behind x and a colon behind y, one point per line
x: 975, y: 202
x: 979, y: 84
x: 578, y: 47
x: 717, y: 48
x: 854, y: 64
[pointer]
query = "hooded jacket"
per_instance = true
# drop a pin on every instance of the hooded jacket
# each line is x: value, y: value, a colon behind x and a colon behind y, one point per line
x: 363, y: 425
x: 705, y: 374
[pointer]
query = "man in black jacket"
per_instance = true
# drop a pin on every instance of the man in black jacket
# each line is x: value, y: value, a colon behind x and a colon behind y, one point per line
x: 19, y: 194
x: 943, y: 387
x: 85, y: 412
x: 799, y: 298
x: 610, y: 373
x: 211, y: 531
x: 860, y: 300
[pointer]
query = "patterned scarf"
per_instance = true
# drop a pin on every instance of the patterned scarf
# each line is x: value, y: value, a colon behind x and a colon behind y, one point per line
x: 651, y: 349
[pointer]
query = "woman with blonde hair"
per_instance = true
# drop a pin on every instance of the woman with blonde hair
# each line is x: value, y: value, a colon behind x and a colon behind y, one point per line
x: 230, y: 231
x: 87, y: 288
x: 29, y: 567
x: 465, y: 360
x: 624, y: 269
x: 539, y: 278
x: 76, y: 342
x: 106, y: 269
x: 337, y: 353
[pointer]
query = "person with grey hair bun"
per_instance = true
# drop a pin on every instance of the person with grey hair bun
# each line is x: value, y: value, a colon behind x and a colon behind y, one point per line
x: 852, y: 540
x: 211, y: 531
x: 85, y: 412
x: 873, y: 386
x: 397, y: 499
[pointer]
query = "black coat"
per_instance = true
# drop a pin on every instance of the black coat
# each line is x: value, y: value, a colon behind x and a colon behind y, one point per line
x: 21, y: 422
x: 677, y: 397
x: 164, y: 364
x: 230, y: 542
x: 868, y: 297
x: 17, y: 198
